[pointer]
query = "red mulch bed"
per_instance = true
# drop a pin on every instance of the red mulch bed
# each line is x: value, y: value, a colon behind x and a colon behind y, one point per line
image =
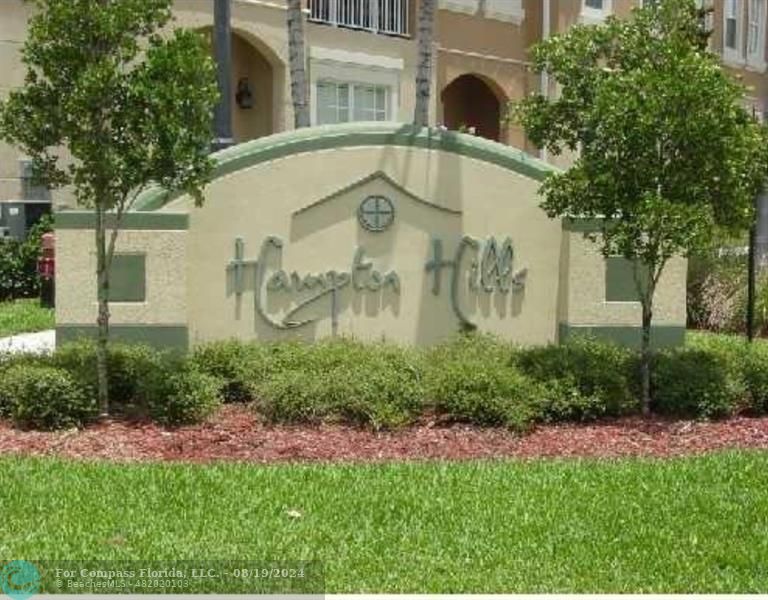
x: 235, y: 433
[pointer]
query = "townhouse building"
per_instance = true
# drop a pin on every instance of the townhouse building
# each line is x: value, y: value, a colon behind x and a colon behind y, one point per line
x: 361, y: 62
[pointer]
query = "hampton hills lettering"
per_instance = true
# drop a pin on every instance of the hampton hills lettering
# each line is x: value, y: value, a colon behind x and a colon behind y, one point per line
x: 486, y: 266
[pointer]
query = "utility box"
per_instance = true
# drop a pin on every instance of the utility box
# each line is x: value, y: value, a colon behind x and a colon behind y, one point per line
x: 17, y: 217
x: 14, y: 219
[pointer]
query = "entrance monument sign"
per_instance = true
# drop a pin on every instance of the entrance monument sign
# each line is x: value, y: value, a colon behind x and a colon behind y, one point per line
x: 371, y: 230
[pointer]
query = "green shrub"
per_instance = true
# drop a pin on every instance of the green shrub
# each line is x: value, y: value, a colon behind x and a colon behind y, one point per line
x: 746, y: 366
x: 754, y: 368
x: 694, y: 382
x: 179, y: 396
x: 586, y: 378
x: 378, y: 385
x: 242, y: 367
x: 127, y: 364
x: 483, y: 392
x: 233, y: 363
x: 732, y: 347
x: 562, y: 401
x: 44, y: 397
x: 472, y: 346
x: 18, y: 263
x: 9, y: 360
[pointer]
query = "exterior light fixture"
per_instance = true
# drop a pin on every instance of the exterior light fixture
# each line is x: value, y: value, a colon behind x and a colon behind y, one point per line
x: 244, y: 94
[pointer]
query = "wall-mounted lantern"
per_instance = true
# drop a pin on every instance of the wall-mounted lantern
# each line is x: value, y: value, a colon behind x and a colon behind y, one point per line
x: 244, y: 94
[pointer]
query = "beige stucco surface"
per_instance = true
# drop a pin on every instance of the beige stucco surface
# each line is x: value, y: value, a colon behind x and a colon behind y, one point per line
x: 262, y: 201
x: 166, y: 289
x: 584, y: 304
x: 307, y: 203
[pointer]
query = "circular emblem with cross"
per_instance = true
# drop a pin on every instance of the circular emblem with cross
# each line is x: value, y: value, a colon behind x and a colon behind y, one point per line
x: 376, y: 213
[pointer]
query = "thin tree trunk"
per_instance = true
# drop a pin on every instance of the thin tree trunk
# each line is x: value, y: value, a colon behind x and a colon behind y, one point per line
x: 297, y: 62
x: 645, y: 357
x: 424, y: 67
x: 102, y: 278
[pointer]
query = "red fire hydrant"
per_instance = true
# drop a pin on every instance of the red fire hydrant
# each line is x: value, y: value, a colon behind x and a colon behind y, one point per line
x: 46, y: 268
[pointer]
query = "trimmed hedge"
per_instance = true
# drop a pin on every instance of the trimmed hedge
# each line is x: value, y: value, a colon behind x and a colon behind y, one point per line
x: 378, y: 385
x: 692, y: 382
x: 469, y: 379
x: 179, y: 395
x: 473, y: 378
x: 236, y: 364
x: 484, y: 393
x: 143, y: 382
x: 127, y: 364
x: 587, y: 378
x: 747, y: 369
x: 43, y: 397
x: 755, y: 379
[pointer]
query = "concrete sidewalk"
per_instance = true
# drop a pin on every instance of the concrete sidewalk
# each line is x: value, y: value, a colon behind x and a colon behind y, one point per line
x: 37, y: 343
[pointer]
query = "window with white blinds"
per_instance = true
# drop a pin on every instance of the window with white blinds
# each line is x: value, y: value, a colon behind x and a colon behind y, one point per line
x: 756, y: 32
x: 342, y: 102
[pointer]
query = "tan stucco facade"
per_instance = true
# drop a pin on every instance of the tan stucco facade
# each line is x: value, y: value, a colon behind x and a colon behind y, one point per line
x: 370, y: 231
x: 488, y: 40
x: 166, y: 297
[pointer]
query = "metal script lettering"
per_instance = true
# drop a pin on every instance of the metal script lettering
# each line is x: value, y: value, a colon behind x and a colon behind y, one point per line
x: 487, y: 264
x: 491, y: 269
x: 362, y: 276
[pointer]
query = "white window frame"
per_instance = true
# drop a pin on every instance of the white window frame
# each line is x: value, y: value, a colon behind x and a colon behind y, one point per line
x: 735, y: 55
x: 355, y: 68
x: 352, y: 86
x: 511, y: 11
x: 337, y: 107
x: 590, y: 14
x: 756, y: 27
x: 468, y: 7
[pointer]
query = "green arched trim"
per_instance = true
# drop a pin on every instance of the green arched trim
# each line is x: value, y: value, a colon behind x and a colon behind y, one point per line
x: 351, y: 135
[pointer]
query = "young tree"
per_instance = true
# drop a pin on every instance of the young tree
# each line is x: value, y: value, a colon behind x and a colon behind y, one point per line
x: 666, y: 151
x: 110, y: 106
x: 297, y: 62
x: 424, y: 66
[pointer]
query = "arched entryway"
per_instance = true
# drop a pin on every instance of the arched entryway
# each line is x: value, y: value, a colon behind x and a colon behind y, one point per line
x: 468, y: 101
x: 256, y: 88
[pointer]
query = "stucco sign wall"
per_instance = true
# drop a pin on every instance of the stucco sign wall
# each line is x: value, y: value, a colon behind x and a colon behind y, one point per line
x: 366, y: 230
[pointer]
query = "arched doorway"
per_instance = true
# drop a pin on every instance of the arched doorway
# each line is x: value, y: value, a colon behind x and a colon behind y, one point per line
x: 468, y: 101
x: 255, y: 87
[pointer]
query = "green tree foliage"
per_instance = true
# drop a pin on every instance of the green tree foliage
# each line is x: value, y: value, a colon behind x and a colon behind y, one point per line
x: 18, y: 263
x: 113, y: 101
x: 667, y: 154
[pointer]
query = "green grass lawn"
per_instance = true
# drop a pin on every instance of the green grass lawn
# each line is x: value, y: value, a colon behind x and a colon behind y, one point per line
x: 683, y: 525
x: 24, y: 316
